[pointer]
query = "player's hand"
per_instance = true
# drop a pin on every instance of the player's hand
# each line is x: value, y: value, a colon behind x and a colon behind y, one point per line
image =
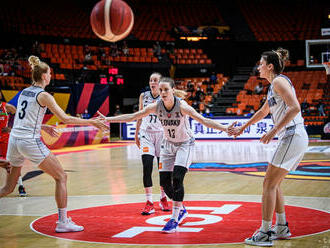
x: 266, y: 138
x: 5, y: 164
x: 100, y: 124
x: 101, y: 116
x: 235, y: 131
x: 137, y: 140
x: 230, y: 127
x: 51, y: 130
x: 5, y: 130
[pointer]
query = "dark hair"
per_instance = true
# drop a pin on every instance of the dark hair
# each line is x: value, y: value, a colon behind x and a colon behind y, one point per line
x: 277, y: 58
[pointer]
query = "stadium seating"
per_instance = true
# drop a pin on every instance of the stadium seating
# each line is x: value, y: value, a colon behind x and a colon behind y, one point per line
x: 271, y: 21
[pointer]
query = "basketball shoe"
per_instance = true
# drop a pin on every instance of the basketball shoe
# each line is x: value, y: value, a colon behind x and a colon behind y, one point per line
x: 280, y: 231
x: 68, y: 226
x: 163, y: 204
x: 260, y: 238
x: 148, y: 208
x: 182, y: 215
x: 170, y: 226
x: 21, y: 191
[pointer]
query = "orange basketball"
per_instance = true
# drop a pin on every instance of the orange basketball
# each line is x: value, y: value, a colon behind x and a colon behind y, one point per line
x: 112, y: 20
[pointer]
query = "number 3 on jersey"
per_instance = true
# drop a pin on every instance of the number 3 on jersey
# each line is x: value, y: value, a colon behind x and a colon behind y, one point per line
x: 171, y: 133
x: 22, y: 113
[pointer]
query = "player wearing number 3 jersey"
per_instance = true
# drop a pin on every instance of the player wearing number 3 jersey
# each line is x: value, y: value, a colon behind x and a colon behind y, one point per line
x: 177, y: 147
x: 25, y: 142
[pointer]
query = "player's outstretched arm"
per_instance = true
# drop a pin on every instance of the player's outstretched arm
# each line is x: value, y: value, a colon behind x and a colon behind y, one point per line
x: 188, y: 110
x: 259, y: 115
x: 47, y: 100
x: 150, y: 109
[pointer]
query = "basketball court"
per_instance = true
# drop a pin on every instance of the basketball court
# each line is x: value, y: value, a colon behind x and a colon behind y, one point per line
x: 222, y: 195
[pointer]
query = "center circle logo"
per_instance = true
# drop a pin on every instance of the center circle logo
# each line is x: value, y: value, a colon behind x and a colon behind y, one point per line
x: 208, y: 222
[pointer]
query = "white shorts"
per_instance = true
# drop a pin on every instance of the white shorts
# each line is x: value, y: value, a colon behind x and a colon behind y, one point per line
x: 150, y: 142
x: 175, y: 154
x: 291, y: 147
x: 32, y: 149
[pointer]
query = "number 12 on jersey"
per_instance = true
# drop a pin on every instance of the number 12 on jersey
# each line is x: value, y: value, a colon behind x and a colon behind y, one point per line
x: 171, y: 133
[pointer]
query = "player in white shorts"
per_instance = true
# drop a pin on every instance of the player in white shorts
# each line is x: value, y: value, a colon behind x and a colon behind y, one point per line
x: 148, y: 137
x: 284, y: 108
x: 25, y: 142
x: 177, y: 146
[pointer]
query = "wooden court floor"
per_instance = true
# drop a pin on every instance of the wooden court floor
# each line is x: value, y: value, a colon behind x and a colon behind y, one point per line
x: 108, y: 174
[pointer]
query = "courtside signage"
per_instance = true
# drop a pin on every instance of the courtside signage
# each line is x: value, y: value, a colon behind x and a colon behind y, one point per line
x: 255, y: 131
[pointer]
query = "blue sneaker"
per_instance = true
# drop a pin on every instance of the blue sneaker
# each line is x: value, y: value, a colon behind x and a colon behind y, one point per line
x: 182, y: 215
x: 170, y: 226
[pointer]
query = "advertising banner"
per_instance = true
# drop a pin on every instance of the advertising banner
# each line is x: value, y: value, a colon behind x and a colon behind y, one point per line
x: 255, y: 131
x: 75, y: 135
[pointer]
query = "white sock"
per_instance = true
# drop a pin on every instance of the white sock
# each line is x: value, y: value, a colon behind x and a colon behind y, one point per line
x: 20, y: 181
x: 265, y: 225
x: 280, y: 218
x: 175, y: 213
x: 149, y: 197
x: 62, y: 214
x: 162, y: 193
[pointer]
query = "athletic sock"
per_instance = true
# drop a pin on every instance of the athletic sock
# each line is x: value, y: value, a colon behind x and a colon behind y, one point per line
x: 62, y: 214
x: 20, y: 181
x: 162, y: 193
x: 175, y: 213
x: 280, y: 218
x: 149, y: 197
x: 265, y: 226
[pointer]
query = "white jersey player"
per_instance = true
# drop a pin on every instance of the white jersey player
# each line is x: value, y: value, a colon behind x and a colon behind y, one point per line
x: 148, y: 137
x: 24, y: 141
x: 284, y: 108
x: 177, y: 146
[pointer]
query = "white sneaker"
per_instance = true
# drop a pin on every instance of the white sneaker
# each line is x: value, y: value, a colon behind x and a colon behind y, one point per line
x: 68, y: 226
x: 280, y: 232
x: 260, y: 238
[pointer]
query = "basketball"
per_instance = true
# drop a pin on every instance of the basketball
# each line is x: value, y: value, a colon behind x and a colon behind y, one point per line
x: 112, y: 20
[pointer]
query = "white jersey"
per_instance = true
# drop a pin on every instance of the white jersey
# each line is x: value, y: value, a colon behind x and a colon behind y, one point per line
x: 29, y: 114
x: 278, y: 107
x: 150, y: 123
x: 175, y: 124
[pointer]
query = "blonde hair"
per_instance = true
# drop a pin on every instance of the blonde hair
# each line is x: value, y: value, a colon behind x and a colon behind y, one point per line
x: 178, y: 93
x: 37, y: 68
x: 156, y: 74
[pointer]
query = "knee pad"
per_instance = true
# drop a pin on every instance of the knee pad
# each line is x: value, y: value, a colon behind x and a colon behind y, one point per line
x: 178, y: 175
x: 147, y: 161
x: 166, y: 182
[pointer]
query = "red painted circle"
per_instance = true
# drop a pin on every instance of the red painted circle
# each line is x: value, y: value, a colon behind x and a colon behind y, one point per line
x: 102, y: 223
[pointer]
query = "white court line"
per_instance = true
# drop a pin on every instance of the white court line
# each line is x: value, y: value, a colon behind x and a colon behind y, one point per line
x: 40, y: 206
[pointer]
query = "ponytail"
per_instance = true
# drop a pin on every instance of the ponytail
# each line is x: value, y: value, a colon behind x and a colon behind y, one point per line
x: 180, y: 93
x: 277, y: 58
x: 37, y: 68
